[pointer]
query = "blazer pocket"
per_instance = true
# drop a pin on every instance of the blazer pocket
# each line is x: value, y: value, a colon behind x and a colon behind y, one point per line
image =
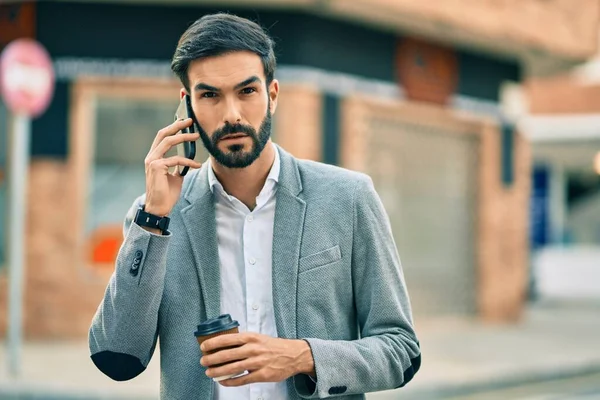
x: 320, y: 259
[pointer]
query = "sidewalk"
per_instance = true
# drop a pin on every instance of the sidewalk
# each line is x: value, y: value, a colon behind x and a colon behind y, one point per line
x: 462, y: 357
x: 459, y: 356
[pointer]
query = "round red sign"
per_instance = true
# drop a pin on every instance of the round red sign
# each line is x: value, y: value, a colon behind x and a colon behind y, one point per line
x: 26, y: 77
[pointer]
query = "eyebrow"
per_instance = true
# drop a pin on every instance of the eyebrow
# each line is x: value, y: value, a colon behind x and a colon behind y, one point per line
x: 204, y: 86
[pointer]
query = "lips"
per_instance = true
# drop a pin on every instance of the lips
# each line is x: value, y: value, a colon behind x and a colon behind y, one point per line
x: 234, y: 136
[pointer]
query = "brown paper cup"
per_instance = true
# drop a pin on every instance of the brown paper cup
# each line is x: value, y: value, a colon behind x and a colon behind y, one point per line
x: 202, y: 339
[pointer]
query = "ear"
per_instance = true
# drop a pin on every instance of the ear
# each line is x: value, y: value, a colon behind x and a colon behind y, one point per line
x: 274, y: 94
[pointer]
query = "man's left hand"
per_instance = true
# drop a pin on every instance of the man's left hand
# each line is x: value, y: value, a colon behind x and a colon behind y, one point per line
x: 265, y: 358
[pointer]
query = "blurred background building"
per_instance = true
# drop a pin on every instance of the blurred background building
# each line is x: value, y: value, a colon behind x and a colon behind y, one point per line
x: 425, y: 96
x: 563, y: 125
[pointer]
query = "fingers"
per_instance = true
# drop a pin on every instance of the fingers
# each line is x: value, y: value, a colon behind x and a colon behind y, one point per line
x: 252, y: 377
x: 231, y: 340
x: 175, y: 161
x: 227, y: 356
x: 234, y: 369
x: 167, y: 143
x: 170, y: 131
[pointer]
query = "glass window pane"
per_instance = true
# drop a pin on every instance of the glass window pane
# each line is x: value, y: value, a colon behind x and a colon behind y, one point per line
x: 125, y: 129
x: 583, y: 207
x: 572, y: 183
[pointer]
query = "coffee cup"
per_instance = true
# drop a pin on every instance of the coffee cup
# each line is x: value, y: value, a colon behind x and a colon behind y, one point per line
x: 221, y: 325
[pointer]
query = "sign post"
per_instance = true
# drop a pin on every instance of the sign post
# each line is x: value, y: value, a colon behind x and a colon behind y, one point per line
x: 26, y: 85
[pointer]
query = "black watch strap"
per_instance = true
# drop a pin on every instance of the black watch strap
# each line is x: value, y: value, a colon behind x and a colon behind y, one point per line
x: 142, y: 218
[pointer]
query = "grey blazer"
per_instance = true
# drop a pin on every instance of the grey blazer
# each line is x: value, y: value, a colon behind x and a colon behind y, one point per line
x: 337, y: 282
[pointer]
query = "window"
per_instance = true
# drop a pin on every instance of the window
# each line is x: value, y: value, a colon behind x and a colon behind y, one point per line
x: 124, y: 130
x: 113, y: 124
x: 116, y: 123
x: 582, y: 218
x: 566, y: 193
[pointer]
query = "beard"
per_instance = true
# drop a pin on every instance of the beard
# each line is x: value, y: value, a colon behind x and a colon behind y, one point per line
x: 236, y: 157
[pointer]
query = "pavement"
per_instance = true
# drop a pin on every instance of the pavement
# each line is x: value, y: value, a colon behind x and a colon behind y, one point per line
x: 581, y: 387
x: 461, y: 357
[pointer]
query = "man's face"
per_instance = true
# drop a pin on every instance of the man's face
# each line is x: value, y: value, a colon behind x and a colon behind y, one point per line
x: 233, y: 106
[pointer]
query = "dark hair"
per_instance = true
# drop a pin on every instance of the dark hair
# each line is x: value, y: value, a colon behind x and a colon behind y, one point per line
x: 217, y: 34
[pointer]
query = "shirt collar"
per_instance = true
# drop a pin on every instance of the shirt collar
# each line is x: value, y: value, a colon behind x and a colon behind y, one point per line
x: 272, y: 177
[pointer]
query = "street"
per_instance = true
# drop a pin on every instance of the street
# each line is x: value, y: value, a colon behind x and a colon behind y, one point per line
x: 579, y: 387
x: 586, y: 387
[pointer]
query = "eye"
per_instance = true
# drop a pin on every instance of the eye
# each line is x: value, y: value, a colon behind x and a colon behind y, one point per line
x: 208, y: 95
x: 248, y: 90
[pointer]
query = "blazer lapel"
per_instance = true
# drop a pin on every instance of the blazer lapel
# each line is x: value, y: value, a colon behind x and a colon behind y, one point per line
x: 287, y: 235
x: 200, y: 223
x: 199, y: 220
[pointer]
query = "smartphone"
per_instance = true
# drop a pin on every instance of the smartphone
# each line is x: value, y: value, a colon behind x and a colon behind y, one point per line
x: 185, y: 149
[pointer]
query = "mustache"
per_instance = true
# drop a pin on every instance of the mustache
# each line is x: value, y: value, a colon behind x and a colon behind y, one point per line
x: 230, y: 129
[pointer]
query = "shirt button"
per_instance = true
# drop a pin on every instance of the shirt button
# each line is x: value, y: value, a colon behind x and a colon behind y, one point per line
x: 255, y: 307
x: 252, y: 261
x: 250, y: 218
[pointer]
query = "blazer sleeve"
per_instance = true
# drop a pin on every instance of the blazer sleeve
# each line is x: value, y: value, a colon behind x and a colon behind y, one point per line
x: 387, y: 355
x: 123, y: 333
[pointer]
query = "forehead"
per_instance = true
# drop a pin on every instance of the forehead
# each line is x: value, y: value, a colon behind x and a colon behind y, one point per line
x: 225, y: 70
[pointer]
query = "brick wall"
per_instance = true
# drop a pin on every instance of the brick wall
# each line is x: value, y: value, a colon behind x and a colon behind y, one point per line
x: 557, y: 27
x: 503, y: 257
x: 560, y: 28
x: 298, y: 121
x: 61, y: 295
x: 562, y: 94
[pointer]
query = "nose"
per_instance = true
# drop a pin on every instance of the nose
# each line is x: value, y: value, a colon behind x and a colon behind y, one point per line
x: 231, y: 114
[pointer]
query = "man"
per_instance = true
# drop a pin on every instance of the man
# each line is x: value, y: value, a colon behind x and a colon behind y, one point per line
x: 300, y: 253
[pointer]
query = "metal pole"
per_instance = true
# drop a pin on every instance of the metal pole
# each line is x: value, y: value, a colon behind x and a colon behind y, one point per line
x: 19, y: 168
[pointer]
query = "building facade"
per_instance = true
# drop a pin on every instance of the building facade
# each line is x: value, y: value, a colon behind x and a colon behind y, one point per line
x: 403, y: 91
x: 563, y: 125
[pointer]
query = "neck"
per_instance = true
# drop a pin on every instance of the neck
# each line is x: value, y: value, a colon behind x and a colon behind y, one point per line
x: 245, y: 184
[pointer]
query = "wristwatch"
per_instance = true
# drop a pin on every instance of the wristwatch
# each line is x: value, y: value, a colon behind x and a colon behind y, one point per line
x: 142, y: 218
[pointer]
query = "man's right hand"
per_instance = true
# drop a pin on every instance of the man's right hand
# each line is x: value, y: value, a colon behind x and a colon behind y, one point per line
x: 163, y: 188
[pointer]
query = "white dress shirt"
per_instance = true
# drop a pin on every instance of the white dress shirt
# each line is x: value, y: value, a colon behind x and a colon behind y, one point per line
x: 245, y: 255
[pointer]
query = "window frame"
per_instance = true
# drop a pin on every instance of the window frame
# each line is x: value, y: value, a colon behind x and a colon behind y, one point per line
x: 82, y: 139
